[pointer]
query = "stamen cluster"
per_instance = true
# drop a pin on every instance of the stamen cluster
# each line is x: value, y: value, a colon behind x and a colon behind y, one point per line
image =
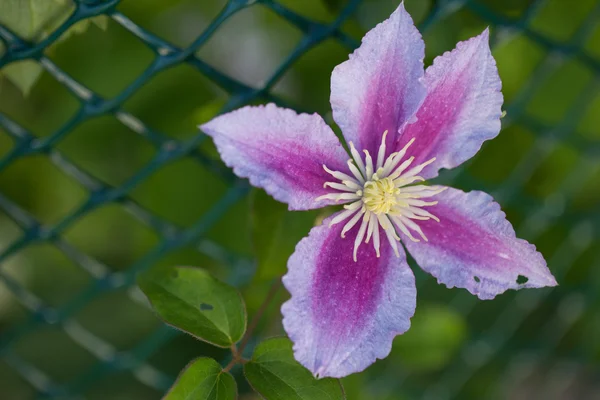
x: 380, y: 194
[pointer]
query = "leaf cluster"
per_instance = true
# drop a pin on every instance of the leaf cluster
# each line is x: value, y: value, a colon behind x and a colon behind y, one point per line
x: 192, y: 300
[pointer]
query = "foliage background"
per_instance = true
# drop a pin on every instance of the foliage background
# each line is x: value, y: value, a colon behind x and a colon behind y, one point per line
x: 92, y: 192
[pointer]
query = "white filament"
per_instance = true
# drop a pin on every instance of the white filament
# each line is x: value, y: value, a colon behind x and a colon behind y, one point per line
x: 379, y: 194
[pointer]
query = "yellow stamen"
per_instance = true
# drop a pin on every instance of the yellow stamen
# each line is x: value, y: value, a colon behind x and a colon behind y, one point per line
x: 378, y: 196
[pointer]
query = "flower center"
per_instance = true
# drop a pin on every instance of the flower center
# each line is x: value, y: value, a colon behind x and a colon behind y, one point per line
x: 380, y: 194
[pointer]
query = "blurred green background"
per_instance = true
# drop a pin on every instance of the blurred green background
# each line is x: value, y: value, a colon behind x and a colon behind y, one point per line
x: 103, y: 174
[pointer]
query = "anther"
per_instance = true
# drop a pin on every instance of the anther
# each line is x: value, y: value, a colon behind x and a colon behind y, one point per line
x: 379, y: 196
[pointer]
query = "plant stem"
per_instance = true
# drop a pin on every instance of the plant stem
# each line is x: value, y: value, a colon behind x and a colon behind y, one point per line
x: 234, y: 360
x: 261, y: 310
x: 236, y: 353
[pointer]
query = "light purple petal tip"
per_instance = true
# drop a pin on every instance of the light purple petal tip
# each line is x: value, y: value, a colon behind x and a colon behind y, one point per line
x: 462, y: 108
x: 475, y: 247
x: 280, y: 151
x: 343, y: 315
x: 380, y: 87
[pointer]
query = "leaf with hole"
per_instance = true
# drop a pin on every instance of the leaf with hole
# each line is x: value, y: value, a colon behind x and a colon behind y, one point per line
x: 276, y: 375
x: 192, y: 300
x: 203, y: 379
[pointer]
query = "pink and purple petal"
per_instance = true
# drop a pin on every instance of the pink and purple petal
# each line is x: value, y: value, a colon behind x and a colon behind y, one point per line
x: 462, y: 108
x: 379, y: 88
x: 280, y: 151
x: 475, y: 247
x: 343, y: 315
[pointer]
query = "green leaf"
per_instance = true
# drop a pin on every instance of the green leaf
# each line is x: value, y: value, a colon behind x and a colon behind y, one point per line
x: 275, y: 375
x: 101, y: 21
x: 203, y: 379
x: 29, y: 19
x: 32, y: 20
x: 275, y: 233
x: 23, y: 74
x: 192, y: 300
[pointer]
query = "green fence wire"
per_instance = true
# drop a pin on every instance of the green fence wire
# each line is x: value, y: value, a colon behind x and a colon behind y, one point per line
x: 488, y: 347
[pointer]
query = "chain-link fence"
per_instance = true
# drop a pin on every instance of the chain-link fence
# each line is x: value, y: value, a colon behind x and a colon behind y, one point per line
x: 103, y: 175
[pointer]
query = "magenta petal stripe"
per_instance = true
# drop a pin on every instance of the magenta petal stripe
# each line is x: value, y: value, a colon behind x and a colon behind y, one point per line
x: 462, y: 108
x: 343, y: 315
x: 475, y: 247
x: 280, y: 151
x: 379, y: 88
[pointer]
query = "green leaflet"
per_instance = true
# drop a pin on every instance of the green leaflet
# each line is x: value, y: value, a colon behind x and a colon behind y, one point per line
x: 194, y: 301
x: 276, y: 375
x: 203, y: 379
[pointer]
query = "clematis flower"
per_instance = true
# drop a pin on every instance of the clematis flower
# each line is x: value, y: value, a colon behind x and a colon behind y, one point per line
x: 351, y: 288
